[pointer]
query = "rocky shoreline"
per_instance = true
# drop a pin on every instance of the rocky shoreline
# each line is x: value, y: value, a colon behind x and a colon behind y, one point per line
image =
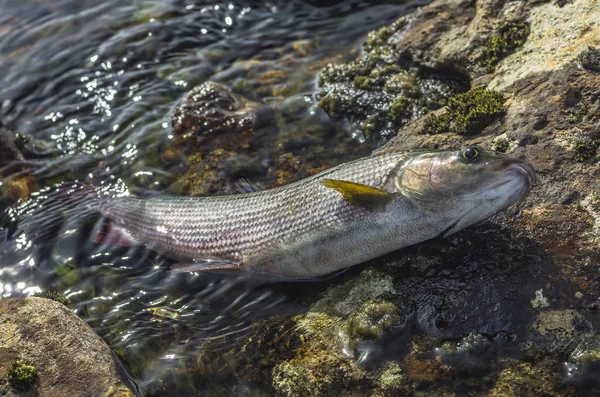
x: 47, y: 350
x: 509, y: 307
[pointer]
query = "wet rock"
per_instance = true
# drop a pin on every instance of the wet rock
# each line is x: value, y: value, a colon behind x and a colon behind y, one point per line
x: 339, y: 336
x: 211, y: 111
x: 555, y: 331
x: 69, y: 359
x: 584, y: 362
x: 219, y: 137
x: 276, y: 73
x: 525, y: 379
x: 16, y: 178
x: 8, y: 149
x: 384, y: 89
x: 472, y: 344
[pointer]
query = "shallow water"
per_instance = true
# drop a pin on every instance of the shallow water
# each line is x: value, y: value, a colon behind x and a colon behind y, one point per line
x: 93, y: 85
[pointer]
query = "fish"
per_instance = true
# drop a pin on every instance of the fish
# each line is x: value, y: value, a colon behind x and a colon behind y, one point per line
x: 340, y: 217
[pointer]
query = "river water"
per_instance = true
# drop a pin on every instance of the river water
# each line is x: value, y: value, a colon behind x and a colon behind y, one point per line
x: 92, y: 86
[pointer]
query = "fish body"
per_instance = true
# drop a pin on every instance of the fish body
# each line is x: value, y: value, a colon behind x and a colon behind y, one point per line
x: 338, y: 218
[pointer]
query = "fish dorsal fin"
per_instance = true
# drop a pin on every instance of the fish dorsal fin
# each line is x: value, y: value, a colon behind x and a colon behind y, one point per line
x: 360, y: 195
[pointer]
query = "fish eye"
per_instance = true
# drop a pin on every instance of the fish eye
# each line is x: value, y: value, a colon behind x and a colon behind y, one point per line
x: 470, y: 153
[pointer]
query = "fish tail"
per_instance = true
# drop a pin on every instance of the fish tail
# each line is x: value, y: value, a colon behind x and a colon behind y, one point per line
x: 95, y: 198
x: 46, y: 212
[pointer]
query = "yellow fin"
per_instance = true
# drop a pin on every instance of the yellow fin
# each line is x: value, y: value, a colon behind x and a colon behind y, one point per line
x: 360, y: 195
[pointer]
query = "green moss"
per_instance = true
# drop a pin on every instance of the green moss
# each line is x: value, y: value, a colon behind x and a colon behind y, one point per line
x: 500, y: 145
x: 399, y: 109
x: 468, y: 113
x: 575, y: 114
x: 527, y: 379
x: 377, y: 40
x: 331, y: 104
x: 403, y: 83
x: 385, y: 70
x: 55, y: 296
x: 21, y: 374
x: 362, y: 82
x: 510, y: 36
x: 585, y: 149
x: 392, y: 379
x: 371, y: 319
x: 340, y: 300
x: 370, y: 126
x: 590, y: 59
x: 334, y: 104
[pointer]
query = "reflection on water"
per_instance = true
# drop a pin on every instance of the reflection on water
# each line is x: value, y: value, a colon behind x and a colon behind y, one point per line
x: 92, y: 85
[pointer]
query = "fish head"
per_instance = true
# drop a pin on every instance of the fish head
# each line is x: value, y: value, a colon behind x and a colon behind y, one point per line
x: 465, y: 186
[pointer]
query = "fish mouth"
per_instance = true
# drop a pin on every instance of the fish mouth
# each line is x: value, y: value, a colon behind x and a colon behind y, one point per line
x: 519, y: 168
x: 527, y: 171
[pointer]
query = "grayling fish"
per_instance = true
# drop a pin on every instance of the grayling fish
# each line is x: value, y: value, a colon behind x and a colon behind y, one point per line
x: 338, y: 218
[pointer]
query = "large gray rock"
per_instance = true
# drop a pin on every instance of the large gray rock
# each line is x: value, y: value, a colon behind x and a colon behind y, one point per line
x: 71, y: 360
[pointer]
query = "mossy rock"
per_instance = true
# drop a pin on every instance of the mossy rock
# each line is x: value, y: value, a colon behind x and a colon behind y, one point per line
x: 526, y: 379
x: 468, y: 113
x: 399, y: 109
x: 55, y: 296
x: 319, y: 374
x: 371, y: 320
x: 501, y: 145
x: 21, y: 374
x: 371, y: 124
x: 511, y: 35
x: 585, y: 149
x: 590, y: 59
x: 403, y: 83
x: 70, y: 359
x: 575, y: 114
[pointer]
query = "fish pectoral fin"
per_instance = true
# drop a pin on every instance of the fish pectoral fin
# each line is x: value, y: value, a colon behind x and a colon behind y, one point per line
x: 360, y: 195
x: 243, y: 185
x: 110, y: 234
x: 208, y: 264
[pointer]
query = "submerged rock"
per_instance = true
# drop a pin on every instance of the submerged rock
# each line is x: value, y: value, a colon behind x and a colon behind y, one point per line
x: 219, y: 137
x: 338, y: 334
x: 51, y: 352
x: 584, y: 362
x: 17, y: 179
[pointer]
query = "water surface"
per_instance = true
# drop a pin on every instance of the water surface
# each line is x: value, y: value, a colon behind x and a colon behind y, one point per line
x: 92, y: 86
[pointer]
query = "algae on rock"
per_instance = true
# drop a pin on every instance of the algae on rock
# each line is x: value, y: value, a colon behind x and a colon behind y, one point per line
x: 468, y: 113
x: 346, y: 315
x: 383, y: 83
